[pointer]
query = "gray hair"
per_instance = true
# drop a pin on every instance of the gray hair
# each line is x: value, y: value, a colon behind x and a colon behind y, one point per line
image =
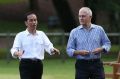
x: 87, y: 9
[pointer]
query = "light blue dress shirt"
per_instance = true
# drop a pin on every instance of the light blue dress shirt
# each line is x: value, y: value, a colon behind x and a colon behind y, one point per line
x: 83, y: 39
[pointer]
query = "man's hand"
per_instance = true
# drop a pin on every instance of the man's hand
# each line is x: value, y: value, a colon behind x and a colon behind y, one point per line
x: 19, y: 53
x: 97, y: 50
x: 81, y: 52
x: 55, y: 51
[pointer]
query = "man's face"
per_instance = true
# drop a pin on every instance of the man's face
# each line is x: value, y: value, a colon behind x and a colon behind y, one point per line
x: 84, y: 18
x: 31, y: 22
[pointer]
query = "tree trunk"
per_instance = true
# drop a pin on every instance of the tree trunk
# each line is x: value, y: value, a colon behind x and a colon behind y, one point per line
x: 92, y: 7
x: 65, y: 14
x: 33, y: 5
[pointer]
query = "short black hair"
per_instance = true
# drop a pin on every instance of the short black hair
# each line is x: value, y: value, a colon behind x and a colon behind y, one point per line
x: 29, y: 13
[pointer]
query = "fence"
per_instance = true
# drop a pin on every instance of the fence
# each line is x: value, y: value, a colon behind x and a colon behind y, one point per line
x: 58, y: 39
x: 114, y: 37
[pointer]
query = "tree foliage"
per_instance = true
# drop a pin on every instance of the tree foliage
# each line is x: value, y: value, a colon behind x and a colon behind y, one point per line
x: 110, y: 6
x: 65, y: 14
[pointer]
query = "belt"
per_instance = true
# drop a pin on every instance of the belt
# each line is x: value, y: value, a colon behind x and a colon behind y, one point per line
x: 30, y: 60
x: 88, y: 60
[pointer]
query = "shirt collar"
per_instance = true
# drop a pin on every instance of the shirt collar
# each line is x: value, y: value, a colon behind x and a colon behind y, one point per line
x: 27, y: 32
x: 91, y: 27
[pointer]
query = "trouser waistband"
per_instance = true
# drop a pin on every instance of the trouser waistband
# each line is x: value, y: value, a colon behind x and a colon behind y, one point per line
x: 30, y: 60
x: 88, y: 60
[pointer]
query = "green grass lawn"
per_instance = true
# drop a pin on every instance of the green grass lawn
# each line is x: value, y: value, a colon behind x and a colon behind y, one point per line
x: 8, y: 70
x: 53, y: 69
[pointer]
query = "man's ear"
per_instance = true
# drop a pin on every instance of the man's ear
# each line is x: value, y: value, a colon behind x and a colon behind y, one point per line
x: 26, y: 23
x: 91, y: 17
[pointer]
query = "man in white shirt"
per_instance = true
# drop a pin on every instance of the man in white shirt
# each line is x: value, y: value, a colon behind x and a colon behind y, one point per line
x: 29, y: 46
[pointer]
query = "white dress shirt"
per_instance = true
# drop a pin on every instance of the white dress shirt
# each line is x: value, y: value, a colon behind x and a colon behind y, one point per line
x: 34, y: 46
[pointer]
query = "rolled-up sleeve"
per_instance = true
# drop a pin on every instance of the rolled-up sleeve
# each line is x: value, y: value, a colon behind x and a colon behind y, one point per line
x: 71, y: 45
x: 106, y: 44
x: 16, y: 46
x: 47, y: 44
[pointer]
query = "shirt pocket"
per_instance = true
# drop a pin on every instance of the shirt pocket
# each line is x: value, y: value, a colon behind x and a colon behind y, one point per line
x: 25, y: 43
x: 39, y: 44
x: 96, y: 39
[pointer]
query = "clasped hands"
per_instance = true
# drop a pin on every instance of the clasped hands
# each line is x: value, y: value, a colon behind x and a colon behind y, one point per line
x: 85, y: 52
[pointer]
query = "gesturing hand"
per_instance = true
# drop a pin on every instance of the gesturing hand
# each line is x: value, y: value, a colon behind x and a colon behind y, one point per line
x: 55, y: 51
x: 97, y: 50
x: 19, y: 53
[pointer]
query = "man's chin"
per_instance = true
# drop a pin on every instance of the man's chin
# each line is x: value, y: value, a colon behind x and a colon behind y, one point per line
x: 35, y: 25
x: 82, y: 23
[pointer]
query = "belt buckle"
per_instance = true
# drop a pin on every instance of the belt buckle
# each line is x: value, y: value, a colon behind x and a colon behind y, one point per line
x: 91, y: 60
x: 34, y: 59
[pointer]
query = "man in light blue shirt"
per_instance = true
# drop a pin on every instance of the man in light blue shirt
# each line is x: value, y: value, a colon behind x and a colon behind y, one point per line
x: 86, y: 43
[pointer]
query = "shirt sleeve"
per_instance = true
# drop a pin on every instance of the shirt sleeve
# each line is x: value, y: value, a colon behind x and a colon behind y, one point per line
x: 47, y: 44
x: 16, y: 46
x: 71, y: 44
x: 106, y: 44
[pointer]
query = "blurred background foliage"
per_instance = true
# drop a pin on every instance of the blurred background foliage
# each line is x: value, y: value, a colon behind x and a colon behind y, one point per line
x: 59, y: 14
x: 110, y: 8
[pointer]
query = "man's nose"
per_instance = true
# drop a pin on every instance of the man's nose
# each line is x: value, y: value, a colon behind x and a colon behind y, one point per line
x: 34, y: 21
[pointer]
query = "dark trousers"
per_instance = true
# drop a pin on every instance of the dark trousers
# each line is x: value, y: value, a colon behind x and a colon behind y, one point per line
x: 31, y: 69
x: 89, y: 69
